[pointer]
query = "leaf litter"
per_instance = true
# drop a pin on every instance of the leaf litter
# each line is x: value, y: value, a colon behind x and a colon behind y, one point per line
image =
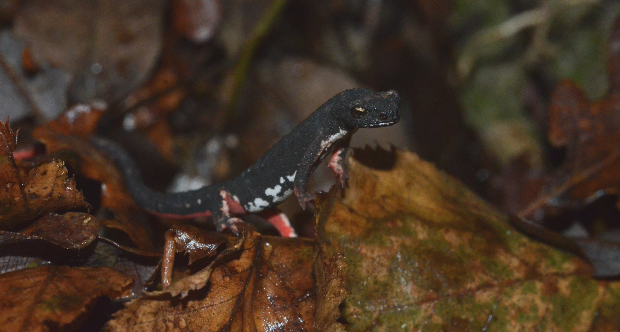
x: 55, y: 297
x: 260, y: 284
x: 409, y: 246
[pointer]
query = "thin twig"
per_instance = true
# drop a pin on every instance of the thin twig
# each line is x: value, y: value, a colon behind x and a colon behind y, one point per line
x: 23, y: 90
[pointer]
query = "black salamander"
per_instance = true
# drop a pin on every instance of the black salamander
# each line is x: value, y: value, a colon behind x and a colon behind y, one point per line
x: 280, y: 172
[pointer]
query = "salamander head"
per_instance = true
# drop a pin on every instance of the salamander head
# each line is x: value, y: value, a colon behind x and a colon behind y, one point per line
x: 361, y: 108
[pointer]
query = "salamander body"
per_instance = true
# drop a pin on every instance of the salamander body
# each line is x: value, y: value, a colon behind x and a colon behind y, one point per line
x: 280, y: 172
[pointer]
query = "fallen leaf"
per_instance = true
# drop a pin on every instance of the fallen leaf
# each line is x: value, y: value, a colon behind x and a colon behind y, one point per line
x: 90, y: 163
x: 330, y: 277
x: 590, y: 133
x: 31, y: 193
x: 196, y: 242
x: 80, y: 120
x: 55, y: 298
x: 72, y: 230
x: 425, y: 253
x: 268, y: 284
x: 139, y: 267
x: 15, y: 260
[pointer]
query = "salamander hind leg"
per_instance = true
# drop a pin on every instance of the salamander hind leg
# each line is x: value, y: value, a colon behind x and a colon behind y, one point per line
x: 224, y: 214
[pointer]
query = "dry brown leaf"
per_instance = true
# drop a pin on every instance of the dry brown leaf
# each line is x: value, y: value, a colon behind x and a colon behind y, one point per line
x: 54, y: 298
x: 425, y: 253
x: 90, y: 163
x: 30, y: 193
x: 267, y: 285
x: 196, y: 242
x: 590, y: 132
x: 72, y: 230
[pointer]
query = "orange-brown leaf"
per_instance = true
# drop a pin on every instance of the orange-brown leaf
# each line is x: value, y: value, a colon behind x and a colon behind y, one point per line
x: 268, y: 285
x: 53, y: 298
x: 92, y: 164
x: 72, y: 230
x: 590, y: 132
x: 330, y: 278
x: 43, y: 189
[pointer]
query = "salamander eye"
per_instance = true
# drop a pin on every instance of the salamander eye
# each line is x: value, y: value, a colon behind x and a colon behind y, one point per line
x: 358, y: 112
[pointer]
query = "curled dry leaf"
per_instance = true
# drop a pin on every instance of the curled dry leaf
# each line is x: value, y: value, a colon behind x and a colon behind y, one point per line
x: 55, y: 297
x: 423, y: 252
x: 267, y: 282
x: 30, y: 193
x: 197, y: 244
x: 92, y: 164
x: 591, y: 134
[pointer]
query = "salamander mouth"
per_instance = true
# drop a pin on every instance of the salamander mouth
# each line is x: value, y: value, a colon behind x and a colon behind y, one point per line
x: 383, y: 124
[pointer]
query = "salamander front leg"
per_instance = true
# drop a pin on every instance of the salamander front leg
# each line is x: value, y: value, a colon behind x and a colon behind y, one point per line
x: 337, y: 165
x: 300, y: 191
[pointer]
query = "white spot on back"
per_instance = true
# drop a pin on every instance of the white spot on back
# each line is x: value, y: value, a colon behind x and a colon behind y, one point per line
x: 257, y: 205
x: 273, y: 191
x: 284, y: 196
x: 291, y: 177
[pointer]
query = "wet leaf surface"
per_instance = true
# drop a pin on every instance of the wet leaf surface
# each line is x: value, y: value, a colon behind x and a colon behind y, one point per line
x: 268, y: 284
x: 55, y: 297
x: 423, y: 252
x: 196, y: 242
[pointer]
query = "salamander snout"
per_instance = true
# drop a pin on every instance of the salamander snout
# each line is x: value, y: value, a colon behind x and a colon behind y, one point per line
x: 386, y: 111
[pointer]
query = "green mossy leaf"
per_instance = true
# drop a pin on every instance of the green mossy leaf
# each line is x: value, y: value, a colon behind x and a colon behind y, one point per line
x: 423, y: 252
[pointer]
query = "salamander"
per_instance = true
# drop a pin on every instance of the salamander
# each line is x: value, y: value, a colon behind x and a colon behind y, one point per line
x: 280, y: 172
